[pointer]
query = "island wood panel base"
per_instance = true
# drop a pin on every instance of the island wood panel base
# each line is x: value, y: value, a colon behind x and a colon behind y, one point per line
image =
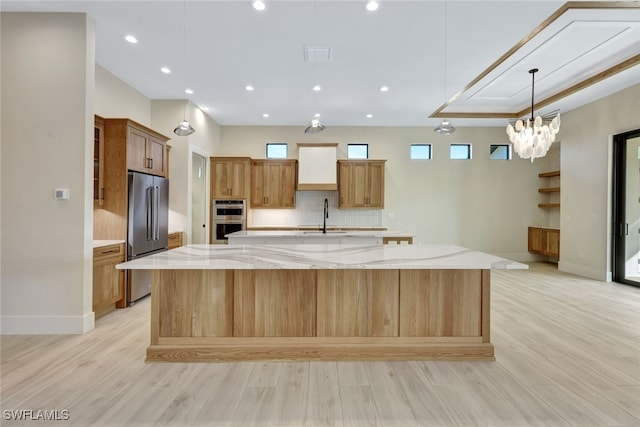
x: 229, y: 315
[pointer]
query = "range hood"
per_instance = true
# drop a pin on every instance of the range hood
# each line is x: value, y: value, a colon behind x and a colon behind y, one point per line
x: 317, y: 166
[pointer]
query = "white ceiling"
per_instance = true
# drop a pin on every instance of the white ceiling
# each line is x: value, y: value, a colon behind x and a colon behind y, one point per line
x: 402, y: 45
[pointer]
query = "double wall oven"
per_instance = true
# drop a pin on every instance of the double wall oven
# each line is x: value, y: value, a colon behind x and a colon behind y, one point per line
x: 227, y: 216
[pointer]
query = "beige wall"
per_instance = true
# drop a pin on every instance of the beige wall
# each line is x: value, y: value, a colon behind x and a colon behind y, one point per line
x: 115, y: 99
x: 481, y: 204
x: 586, y: 181
x: 166, y: 114
x: 47, y: 133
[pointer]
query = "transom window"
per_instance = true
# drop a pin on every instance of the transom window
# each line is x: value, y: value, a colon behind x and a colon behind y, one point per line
x: 460, y: 151
x: 420, y: 152
x: 500, y: 152
x: 276, y: 150
x: 357, y: 151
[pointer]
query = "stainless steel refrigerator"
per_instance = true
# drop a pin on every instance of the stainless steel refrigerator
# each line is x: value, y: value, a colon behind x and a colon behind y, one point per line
x: 147, y: 228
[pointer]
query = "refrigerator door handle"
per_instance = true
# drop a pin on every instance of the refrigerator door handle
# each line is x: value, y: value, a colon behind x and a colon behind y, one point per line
x: 148, y: 193
x: 156, y: 209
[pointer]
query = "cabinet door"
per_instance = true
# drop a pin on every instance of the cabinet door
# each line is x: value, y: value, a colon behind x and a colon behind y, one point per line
x: 219, y: 179
x: 344, y: 180
x: 258, y: 185
x: 98, y: 163
x: 237, y: 182
x: 535, y: 240
x: 108, y: 283
x: 551, y: 243
x: 287, y: 185
x: 137, y: 150
x: 156, y: 155
x: 375, y: 185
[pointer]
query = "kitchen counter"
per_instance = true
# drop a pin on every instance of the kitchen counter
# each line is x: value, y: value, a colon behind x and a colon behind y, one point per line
x: 103, y: 243
x: 320, y: 302
x: 312, y: 236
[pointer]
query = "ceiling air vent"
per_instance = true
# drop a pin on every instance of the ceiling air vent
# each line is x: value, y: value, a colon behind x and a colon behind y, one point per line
x: 317, y: 54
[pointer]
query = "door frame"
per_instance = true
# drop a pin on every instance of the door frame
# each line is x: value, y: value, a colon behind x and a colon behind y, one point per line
x: 619, y: 201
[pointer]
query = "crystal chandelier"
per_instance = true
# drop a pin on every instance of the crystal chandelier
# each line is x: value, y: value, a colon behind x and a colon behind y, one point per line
x: 532, y: 139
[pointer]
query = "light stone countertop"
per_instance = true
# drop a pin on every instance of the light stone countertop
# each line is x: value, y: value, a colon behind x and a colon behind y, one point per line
x: 102, y: 243
x: 255, y: 257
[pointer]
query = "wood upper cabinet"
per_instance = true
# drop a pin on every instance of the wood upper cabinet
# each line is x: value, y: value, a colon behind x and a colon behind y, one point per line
x: 545, y: 241
x: 98, y: 161
x: 273, y: 183
x: 146, y: 152
x: 230, y: 177
x: 108, y: 283
x: 361, y: 183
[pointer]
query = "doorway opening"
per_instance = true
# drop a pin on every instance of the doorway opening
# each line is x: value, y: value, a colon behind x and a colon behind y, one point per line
x: 626, y: 208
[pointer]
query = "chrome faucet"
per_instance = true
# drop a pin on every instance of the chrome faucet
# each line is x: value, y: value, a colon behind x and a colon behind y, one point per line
x: 326, y: 215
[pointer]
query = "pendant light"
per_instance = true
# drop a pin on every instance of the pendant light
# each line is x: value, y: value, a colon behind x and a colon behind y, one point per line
x: 532, y: 139
x: 445, y: 128
x: 184, y: 128
x: 315, y: 126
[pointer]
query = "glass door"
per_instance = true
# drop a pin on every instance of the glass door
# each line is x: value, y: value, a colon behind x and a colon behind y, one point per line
x: 626, y: 209
x: 198, y: 199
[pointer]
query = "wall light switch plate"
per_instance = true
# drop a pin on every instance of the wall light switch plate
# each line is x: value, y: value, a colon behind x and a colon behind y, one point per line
x: 62, y: 194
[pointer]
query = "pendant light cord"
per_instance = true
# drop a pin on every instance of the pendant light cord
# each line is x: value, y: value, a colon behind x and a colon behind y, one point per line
x: 184, y: 56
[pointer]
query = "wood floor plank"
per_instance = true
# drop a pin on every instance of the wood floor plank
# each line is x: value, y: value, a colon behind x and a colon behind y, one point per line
x: 567, y: 353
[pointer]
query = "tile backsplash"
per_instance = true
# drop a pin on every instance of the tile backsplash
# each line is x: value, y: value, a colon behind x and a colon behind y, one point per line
x: 309, y: 210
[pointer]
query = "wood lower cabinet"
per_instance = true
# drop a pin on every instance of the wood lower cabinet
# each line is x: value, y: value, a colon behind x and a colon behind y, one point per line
x: 544, y: 241
x: 108, y: 283
x: 175, y: 240
x: 273, y: 183
x: 230, y: 177
x: 361, y: 183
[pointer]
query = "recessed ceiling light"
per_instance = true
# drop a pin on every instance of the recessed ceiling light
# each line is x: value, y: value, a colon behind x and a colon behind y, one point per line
x: 249, y: 88
x: 189, y: 91
x: 204, y: 108
x: 265, y: 115
x: 317, y: 88
x: 131, y: 39
x: 259, y: 5
x: 372, y: 5
x: 369, y: 116
x: 384, y: 88
x: 165, y: 70
x: 316, y: 115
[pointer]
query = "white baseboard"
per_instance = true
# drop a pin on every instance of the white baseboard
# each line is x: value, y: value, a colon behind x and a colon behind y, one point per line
x: 584, y: 271
x: 521, y: 256
x: 47, y: 325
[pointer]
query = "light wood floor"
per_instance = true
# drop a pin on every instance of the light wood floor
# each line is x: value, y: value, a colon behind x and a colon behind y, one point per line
x: 567, y: 354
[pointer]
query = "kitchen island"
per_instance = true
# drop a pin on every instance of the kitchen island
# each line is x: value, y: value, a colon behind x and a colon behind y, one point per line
x: 320, y: 302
